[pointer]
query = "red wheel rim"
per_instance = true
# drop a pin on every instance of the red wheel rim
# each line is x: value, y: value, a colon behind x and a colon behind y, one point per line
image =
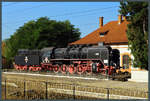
x: 33, y: 68
x: 30, y: 68
x: 21, y: 67
x: 50, y: 68
x: 71, y: 69
x: 80, y: 69
x: 63, y: 69
x: 39, y: 68
x: 56, y: 68
x: 16, y: 67
x: 24, y: 68
x: 89, y: 70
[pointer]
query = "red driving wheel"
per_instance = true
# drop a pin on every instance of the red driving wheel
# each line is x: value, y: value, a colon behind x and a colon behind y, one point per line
x: 63, y: 69
x: 71, y: 69
x: 56, y: 68
x: 89, y: 70
x: 80, y: 69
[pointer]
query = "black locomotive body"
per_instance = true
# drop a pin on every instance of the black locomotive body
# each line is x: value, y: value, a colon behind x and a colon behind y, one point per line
x: 73, y: 59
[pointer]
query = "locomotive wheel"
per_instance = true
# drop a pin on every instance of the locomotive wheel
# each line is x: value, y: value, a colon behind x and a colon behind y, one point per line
x: 24, y: 68
x: 16, y: 67
x: 48, y: 68
x: 38, y: 68
x: 21, y: 68
x: 30, y: 68
x: 33, y: 68
x: 80, y: 69
x: 56, y: 69
x: 102, y: 71
x: 94, y: 68
x: 71, y: 69
x: 89, y: 70
x: 63, y: 69
x: 99, y: 68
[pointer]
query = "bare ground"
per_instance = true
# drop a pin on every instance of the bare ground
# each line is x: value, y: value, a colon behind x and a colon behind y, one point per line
x: 34, y: 86
x: 142, y: 86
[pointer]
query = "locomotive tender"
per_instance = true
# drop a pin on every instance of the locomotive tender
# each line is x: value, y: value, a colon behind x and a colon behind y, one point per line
x: 73, y: 59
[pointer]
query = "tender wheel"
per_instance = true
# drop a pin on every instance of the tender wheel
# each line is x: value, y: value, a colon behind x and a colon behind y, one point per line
x: 16, y: 67
x: 30, y: 68
x: 33, y: 68
x: 24, y: 67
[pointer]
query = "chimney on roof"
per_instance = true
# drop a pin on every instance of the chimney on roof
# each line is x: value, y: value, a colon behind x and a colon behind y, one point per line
x: 124, y: 18
x: 101, y: 22
x: 119, y: 19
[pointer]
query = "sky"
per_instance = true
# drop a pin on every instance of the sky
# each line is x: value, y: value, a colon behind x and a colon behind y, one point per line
x: 84, y: 15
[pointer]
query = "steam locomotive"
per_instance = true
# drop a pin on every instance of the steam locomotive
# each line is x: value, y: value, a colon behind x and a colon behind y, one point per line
x: 73, y: 59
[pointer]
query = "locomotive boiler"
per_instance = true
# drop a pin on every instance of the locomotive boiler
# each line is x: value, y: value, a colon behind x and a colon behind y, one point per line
x: 73, y: 59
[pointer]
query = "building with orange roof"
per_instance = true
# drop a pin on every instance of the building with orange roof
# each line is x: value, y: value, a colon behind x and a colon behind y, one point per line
x: 113, y: 34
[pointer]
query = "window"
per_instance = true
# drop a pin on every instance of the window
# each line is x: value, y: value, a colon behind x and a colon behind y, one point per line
x: 103, y: 33
x: 126, y: 61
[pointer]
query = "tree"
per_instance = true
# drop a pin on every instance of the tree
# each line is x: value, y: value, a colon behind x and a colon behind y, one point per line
x: 3, y: 51
x: 39, y: 34
x: 137, y: 31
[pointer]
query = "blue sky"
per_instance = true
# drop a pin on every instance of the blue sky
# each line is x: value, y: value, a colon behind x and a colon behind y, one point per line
x: 84, y: 15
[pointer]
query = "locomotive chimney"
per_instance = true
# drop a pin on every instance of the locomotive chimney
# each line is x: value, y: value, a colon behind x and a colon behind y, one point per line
x: 119, y: 19
x: 101, y: 22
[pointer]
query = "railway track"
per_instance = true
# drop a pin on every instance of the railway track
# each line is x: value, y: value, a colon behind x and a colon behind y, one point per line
x: 67, y: 75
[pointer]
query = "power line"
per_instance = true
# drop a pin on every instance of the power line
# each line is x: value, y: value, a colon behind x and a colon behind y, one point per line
x: 89, y: 13
x: 24, y: 10
x: 91, y: 10
x: 52, y: 5
x: 81, y: 5
x: 3, y: 4
x: 86, y: 23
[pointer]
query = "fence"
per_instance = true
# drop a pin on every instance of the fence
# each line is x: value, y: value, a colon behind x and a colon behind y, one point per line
x: 20, y: 89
